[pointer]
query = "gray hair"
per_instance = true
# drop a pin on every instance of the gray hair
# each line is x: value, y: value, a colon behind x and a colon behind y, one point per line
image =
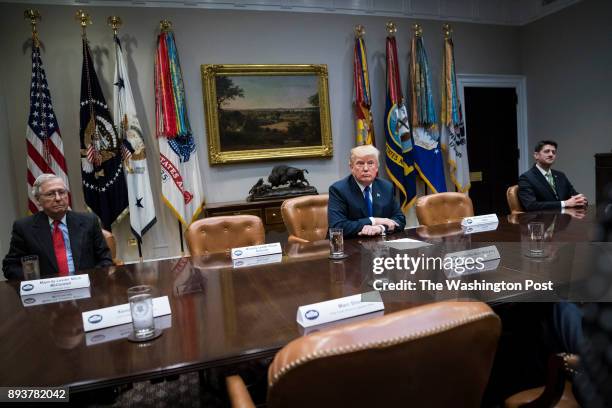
x: 364, y: 150
x: 42, y: 179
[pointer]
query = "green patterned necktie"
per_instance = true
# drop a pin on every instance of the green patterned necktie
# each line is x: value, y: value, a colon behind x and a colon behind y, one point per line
x: 550, y: 179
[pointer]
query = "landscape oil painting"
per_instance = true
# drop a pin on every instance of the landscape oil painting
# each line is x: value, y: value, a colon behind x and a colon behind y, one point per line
x: 263, y: 112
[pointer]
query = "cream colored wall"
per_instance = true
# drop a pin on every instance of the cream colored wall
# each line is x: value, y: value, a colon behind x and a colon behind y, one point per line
x: 206, y: 37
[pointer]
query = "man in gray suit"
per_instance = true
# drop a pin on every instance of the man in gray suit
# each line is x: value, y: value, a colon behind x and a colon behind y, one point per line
x: 64, y: 241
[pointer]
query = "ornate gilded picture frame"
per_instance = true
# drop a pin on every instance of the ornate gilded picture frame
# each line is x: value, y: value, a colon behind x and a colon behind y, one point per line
x: 265, y: 112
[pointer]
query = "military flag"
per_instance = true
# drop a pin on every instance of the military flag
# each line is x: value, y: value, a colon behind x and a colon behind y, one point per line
x: 363, y: 101
x: 104, y: 184
x: 140, y: 197
x: 45, y: 149
x: 398, y: 149
x: 453, y: 139
x: 181, y: 185
x: 425, y: 135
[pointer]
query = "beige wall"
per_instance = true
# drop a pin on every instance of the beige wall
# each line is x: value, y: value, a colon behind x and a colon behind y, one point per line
x: 567, y: 58
x: 225, y: 37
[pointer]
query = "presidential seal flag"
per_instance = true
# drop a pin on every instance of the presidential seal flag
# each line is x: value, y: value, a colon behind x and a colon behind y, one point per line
x: 425, y: 135
x: 453, y: 139
x: 398, y: 150
x: 101, y: 163
x: 45, y: 149
x: 363, y: 116
x: 140, y: 197
x: 181, y: 185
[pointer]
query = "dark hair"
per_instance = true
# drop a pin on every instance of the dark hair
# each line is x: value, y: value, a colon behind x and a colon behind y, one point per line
x: 542, y: 143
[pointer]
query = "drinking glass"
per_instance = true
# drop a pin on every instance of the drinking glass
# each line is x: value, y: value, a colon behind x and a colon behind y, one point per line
x: 141, y: 307
x: 536, y: 238
x: 30, y: 267
x: 336, y: 242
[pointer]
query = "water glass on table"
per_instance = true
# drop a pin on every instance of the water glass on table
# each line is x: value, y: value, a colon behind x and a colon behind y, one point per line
x: 30, y: 267
x: 141, y: 307
x: 536, y: 238
x: 336, y: 242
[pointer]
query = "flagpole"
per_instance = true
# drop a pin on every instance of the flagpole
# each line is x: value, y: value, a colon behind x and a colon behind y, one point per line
x: 84, y: 19
x: 180, y: 227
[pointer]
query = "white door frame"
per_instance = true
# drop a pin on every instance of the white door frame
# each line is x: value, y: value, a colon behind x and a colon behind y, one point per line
x: 519, y: 83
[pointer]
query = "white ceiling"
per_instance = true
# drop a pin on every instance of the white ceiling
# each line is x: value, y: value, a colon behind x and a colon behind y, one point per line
x: 506, y: 12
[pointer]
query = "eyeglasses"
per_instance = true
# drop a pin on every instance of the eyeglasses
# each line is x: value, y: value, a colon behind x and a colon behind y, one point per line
x: 51, y: 194
x: 361, y: 164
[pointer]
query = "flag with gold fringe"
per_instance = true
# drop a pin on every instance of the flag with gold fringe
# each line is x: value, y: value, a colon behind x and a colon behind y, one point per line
x: 363, y: 102
x: 45, y: 148
x: 398, y: 150
x: 104, y: 184
x: 453, y: 139
x: 140, y: 196
x: 180, y: 178
x: 425, y: 135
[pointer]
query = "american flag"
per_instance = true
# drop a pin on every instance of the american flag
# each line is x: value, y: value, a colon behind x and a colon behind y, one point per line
x: 44, y: 143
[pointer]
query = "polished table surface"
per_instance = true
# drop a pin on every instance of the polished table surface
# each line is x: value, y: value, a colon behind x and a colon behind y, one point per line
x: 223, y: 315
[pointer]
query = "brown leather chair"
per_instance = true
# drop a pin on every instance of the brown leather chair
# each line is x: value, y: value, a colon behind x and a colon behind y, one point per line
x: 220, y: 234
x: 513, y: 200
x: 443, y: 208
x: 557, y: 392
x: 434, y: 355
x: 306, y: 217
x: 112, y: 245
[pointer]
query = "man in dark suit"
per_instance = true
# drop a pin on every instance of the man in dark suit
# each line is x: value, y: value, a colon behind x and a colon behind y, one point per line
x: 362, y: 204
x: 541, y: 188
x: 64, y: 241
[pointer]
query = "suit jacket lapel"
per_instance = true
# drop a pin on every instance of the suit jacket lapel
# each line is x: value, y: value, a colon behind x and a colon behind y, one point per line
x: 42, y: 231
x: 75, y: 230
x: 542, y: 180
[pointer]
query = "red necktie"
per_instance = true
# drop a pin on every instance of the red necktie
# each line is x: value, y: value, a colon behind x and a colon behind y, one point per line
x: 60, y: 249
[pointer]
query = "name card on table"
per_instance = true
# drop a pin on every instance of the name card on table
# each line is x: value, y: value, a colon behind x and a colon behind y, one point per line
x: 479, y: 220
x: 33, y: 287
x: 338, y: 309
x: 257, y: 260
x: 256, y: 250
x: 120, y: 314
x: 460, y: 267
x: 473, y: 229
x: 122, y: 331
x: 55, y: 297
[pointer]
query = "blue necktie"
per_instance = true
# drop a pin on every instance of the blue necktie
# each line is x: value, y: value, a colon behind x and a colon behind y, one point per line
x: 368, y: 201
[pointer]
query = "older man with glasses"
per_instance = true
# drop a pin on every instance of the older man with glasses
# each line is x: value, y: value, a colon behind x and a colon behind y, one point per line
x: 363, y: 204
x: 64, y: 241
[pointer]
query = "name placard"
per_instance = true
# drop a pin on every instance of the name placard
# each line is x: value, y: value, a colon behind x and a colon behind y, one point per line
x: 257, y: 260
x: 55, y: 297
x: 33, y: 287
x: 120, y: 314
x: 256, y: 250
x: 473, y: 229
x: 479, y: 219
x: 338, y: 309
x: 122, y: 331
x: 487, y: 253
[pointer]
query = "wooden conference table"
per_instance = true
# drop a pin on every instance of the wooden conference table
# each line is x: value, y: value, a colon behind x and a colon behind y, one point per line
x: 223, y: 315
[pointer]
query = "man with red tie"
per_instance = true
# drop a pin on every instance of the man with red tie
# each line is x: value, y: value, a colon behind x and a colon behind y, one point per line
x: 64, y: 241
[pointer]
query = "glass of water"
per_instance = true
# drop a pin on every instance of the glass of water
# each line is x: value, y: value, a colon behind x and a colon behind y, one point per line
x: 336, y: 242
x: 30, y: 267
x: 536, y: 238
x: 141, y: 307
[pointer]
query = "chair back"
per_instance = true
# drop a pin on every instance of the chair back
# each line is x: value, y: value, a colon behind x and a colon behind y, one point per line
x: 443, y: 208
x: 220, y: 234
x: 513, y: 200
x: 437, y: 355
x: 110, y: 241
x: 306, y: 217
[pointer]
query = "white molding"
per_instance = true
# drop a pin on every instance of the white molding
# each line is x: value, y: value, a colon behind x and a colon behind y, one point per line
x: 519, y: 83
x: 529, y: 12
